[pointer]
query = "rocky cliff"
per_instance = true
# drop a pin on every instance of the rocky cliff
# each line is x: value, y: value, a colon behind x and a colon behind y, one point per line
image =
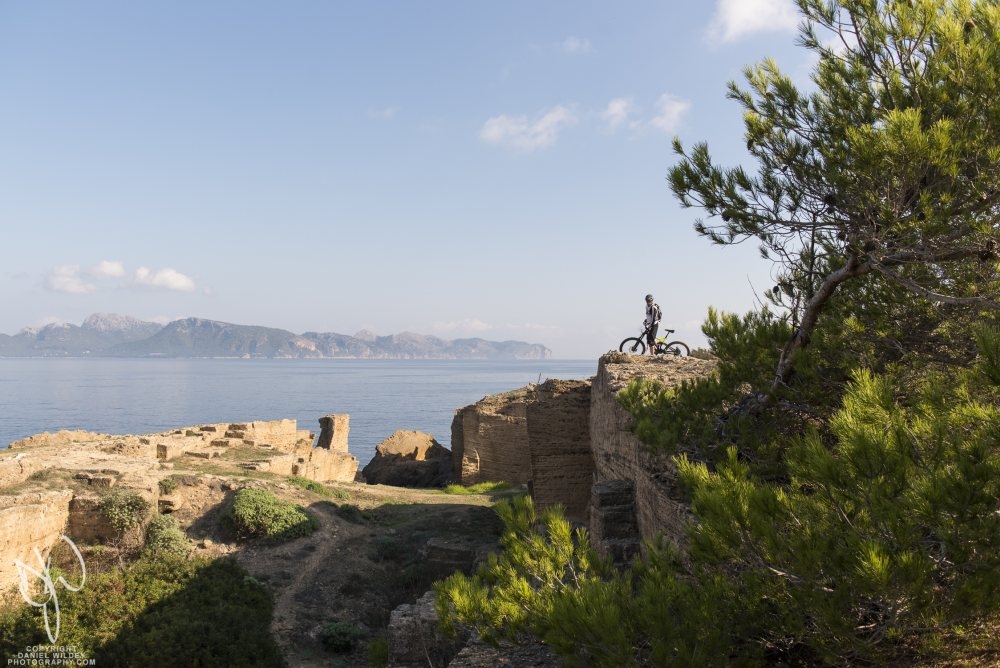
x: 571, y: 443
x: 536, y: 436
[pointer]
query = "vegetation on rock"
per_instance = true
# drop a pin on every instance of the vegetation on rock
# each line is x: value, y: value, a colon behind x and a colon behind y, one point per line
x: 124, y: 510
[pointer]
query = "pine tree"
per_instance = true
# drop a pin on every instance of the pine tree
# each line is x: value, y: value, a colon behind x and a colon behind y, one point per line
x: 886, y: 173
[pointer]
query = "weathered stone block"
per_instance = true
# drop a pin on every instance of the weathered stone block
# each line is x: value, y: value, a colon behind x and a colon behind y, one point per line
x: 29, y: 521
x: 334, y: 430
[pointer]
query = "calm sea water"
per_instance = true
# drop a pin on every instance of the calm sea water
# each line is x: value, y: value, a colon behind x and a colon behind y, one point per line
x: 153, y: 395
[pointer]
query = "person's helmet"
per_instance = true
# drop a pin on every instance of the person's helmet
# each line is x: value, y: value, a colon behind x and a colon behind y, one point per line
x: 649, y: 298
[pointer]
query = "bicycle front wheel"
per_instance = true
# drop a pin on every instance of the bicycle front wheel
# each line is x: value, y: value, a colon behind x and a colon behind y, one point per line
x: 632, y: 345
x: 678, y: 348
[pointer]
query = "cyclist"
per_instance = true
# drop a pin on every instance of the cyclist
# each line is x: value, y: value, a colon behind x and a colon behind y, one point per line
x: 652, y: 323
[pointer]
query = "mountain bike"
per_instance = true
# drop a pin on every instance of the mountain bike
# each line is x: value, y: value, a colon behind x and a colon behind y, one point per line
x: 636, y: 345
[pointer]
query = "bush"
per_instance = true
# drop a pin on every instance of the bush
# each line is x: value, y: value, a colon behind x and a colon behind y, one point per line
x: 165, y: 536
x: 124, y: 510
x: 163, y: 610
x: 340, y: 637
x: 257, y: 513
x: 167, y: 485
x: 514, y: 591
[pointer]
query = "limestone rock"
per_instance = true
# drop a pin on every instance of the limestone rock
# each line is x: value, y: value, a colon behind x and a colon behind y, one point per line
x: 414, y: 636
x: 409, y: 459
x: 478, y: 654
x: 536, y: 436
x: 29, y: 521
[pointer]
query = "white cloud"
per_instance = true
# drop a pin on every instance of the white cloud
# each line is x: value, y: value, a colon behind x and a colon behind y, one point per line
x: 734, y: 19
x: 108, y: 269
x: 168, y: 279
x: 575, y: 45
x: 524, y: 134
x: 670, y: 111
x: 71, y: 279
x: 67, y: 278
x: 618, y: 111
x: 467, y: 325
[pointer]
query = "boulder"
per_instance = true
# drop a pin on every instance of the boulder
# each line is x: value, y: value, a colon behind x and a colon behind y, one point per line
x: 409, y: 459
x: 415, y: 638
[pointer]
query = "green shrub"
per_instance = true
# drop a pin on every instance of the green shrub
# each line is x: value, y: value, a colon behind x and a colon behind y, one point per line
x: 164, y: 535
x: 124, y: 510
x: 340, y: 637
x: 257, y: 513
x: 163, y: 610
x: 167, y: 485
x: 514, y: 591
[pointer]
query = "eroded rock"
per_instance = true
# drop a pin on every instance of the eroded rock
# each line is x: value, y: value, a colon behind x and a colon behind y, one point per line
x: 409, y: 459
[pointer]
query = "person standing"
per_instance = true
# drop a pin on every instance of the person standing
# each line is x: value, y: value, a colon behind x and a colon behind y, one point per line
x: 652, y: 323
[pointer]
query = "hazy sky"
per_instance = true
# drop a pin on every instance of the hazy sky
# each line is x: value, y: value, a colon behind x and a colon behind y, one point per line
x: 456, y: 168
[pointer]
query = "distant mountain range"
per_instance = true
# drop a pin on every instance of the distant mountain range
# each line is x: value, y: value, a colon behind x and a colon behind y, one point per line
x: 107, y: 335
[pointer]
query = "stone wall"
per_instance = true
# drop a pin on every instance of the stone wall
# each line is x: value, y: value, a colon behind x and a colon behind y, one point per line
x: 489, y: 440
x: 620, y: 456
x: 571, y: 443
x: 88, y: 464
x: 536, y: 436
x: 328, y: 461
x: 29, y: 521
x: 559, y: 446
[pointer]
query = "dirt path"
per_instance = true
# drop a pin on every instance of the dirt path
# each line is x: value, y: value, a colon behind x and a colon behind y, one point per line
x: 367, y: 556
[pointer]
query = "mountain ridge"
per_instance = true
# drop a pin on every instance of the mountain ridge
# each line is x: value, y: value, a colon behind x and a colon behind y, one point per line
x: 112, y: 335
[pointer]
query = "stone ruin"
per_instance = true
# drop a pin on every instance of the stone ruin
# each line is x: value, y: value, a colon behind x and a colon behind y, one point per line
x: 537, y: 436
x: 571, y: 443
x: 36, y: 518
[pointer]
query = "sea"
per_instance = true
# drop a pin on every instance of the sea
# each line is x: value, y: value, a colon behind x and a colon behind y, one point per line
x: 144, y: 396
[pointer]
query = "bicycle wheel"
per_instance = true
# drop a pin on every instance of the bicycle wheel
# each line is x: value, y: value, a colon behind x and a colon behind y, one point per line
x: 678, y: 348
x: 633, y: 345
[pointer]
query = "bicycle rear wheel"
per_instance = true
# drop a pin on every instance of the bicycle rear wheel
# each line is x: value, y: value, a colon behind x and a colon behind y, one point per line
x: 633, y: 345
x: 678, y: 348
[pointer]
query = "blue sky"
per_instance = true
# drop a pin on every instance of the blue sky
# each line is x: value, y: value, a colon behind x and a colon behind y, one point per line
x: 451, y: 168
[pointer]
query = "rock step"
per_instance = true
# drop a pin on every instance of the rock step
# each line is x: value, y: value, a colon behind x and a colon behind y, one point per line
x: 236, y: 433
x: 204, y: 454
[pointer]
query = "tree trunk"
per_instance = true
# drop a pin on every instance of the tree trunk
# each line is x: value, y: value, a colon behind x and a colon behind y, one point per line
x: 810, y: 314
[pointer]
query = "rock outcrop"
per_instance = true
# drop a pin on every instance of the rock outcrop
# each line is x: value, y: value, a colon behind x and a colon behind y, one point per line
x: 29, y: 521
x: 649, y: 478
x: 536, y: 436
x: 414, y: 637
x: 409, y: 459
x: 571, y: 443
